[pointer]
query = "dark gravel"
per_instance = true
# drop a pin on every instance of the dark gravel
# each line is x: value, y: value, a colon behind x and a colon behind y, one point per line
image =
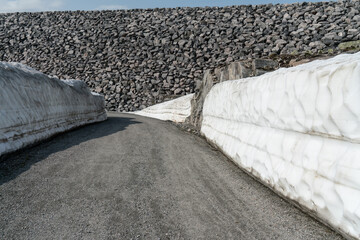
x: 132, y: 177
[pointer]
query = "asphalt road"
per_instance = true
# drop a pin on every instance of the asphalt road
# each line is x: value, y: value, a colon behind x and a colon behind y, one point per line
x: 132, y: 177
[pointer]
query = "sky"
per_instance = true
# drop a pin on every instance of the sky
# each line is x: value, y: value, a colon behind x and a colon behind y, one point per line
x: 61, y: 5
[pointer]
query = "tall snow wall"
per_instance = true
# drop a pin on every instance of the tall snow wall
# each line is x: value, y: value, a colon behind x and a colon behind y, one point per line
x: 34, y: 106
x: 298, y: 131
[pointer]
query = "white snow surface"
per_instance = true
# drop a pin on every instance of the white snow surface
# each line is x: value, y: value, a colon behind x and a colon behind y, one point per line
x: 298, y: 131
x: 34, y: 106
x: 176, y: 110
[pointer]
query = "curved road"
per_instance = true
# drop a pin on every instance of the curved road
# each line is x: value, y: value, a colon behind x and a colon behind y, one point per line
x: 132, y: 177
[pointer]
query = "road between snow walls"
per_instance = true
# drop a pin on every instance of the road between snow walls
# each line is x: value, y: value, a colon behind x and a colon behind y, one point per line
x: 34, y: 106
x: 297, y: 130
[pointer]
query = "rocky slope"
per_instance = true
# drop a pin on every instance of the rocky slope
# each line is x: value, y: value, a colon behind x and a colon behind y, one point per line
x: 140, y: 57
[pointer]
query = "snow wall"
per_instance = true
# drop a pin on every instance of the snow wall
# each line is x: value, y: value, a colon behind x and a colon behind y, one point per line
x: 34, y: 106
x: 298, y: 131
x: 176, y: 110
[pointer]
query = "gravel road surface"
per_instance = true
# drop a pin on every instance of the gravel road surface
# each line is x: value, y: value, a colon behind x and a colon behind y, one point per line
x: 132, y: 177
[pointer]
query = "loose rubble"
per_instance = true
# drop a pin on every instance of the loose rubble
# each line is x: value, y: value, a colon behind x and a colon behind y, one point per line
x: 137, y: 58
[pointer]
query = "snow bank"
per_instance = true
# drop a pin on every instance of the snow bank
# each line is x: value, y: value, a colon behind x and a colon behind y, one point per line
x: 34, y: 106
x: 176, y: 110
x: 298, y: 130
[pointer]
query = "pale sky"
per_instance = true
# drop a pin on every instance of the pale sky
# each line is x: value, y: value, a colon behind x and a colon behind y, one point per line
x: 60, y: 5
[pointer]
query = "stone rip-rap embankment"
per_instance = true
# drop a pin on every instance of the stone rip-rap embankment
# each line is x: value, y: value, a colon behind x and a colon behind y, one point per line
x: 137, y: 58
x: 35, y: 106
